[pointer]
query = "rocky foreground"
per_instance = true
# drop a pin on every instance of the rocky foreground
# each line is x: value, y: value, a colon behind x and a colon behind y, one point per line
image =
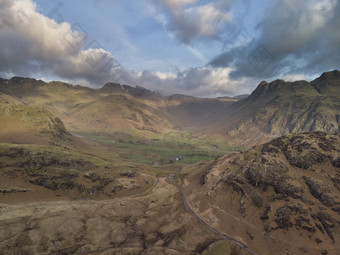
x: 282, y: 197
x: 153, y: 223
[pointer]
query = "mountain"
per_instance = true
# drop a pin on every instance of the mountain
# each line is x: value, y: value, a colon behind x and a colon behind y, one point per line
x: 283, y: 196
x: 118, y: 112
x: 112, y: 108
x: 279, y: 108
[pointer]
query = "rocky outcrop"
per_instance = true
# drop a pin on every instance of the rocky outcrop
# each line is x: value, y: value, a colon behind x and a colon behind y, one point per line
x: 129, y: 174
x: 283, y: 215
x: 328, y: 223
x: 11, y: 190
x: 285, y: 181
x: 136, y: 91
x: 321, y: 191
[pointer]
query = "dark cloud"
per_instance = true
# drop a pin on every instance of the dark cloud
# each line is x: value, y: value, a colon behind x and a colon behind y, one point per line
x: 295, y: 37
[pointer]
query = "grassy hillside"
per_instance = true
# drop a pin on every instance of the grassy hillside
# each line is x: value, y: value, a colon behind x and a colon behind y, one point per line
x: 117, y: 112
x: 25, y: 124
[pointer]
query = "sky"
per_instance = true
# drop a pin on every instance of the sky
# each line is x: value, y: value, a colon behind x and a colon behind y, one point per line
x: 196, y: 47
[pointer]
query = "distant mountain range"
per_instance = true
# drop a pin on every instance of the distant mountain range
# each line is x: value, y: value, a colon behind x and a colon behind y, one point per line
x: 112, y: 108
x: 272, y: 110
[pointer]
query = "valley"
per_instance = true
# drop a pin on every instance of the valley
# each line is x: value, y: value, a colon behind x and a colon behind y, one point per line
x: 124, y: 170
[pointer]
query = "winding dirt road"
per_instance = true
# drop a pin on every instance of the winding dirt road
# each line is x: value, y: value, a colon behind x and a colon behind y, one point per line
x: 243, y: 246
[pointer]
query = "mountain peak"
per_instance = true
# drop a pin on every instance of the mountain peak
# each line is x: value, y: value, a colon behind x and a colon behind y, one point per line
x: 23, y: 81
x: 265, y: 88
x: 17, y: 79
x: 262, y: 83
x: 332, y: 75
x: 112, y: 87
x: 136, y: 91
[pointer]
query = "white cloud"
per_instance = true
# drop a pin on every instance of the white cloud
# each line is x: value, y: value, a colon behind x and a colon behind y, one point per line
x: 165, y: 76
x: 295, y: 77
x: 202, y: 82
x: 207, y: 19
x: 177, y: 3
x: 190, y: 21
x: 45, y: 37
x: 34, y: 45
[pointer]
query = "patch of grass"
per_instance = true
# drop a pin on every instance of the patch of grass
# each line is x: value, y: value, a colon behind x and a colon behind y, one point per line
x: 203, y: 230
x: 43, y: 244
x: 219, y: 248
x: 179, y: 243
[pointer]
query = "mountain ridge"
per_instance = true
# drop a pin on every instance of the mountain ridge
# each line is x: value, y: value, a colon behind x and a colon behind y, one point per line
x: 155, y: 113
x: 278, y: 108
x: 113, y: 86
x: 272, y: 109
